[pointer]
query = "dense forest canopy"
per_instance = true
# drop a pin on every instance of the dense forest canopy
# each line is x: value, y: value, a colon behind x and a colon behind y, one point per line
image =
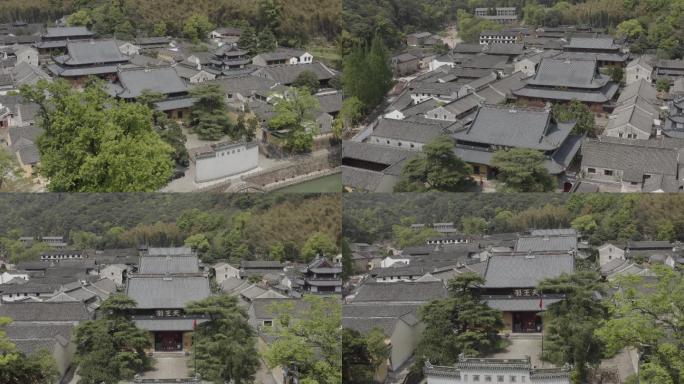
x: 292, y: 21
x: 218, y: 225
x: 369, y: 218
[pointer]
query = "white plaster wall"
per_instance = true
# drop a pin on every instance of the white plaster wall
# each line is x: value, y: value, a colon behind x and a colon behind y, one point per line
x: 226, y: 163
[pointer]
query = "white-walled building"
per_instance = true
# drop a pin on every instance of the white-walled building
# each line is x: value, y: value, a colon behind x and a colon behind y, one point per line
x: 469, y: 370
x: 224, y: 160
x: 608, y: 252
x: 115, y: 273
x: 224, y: 271
x: 640, y: 68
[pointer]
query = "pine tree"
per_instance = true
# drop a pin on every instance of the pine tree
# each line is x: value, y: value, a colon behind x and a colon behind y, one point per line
x: 267, y: 41
x: 248, y: 40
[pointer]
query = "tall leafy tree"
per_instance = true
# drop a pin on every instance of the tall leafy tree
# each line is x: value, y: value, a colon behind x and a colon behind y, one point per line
x: 319, y: 244
x: 197, y: 26
x: 522, y: 170
x: 646, y: 314
x: 225, y: 346
x: 437, y: 168
x: 111, y: 348
x: 308, y: 80
x: 93, y: 143
x: 295, y: 115
x: 7, y: 166
x: 309, y: 339
x: 267, y: 41
x: 460, y: 323
x: 580, y: 113
x: 209, y: 117
x: 248, y: 40
x: 570, y: 324
x: 347, y: 263
x: 362, y: 355
x: 168, y: 129
x: 367, y: 75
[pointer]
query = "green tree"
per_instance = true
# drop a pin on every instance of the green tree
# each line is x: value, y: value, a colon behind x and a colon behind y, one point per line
x: 585, y: 224
x: 80, y: 18
x: 197, y: 26
x: 351, y: 111
x: 617, y: 74
x: 663, y: 85
x: 362, y: 355
x: 168, y: 129
x: 248, y: 40
x: 159, y: 29
x: 347, y: 262
x: 570, y: 323
x: 366, y: 73
x: 198, y: 242
x: 93, y: 143
x: 522, y: 170
x: 225, y: 346
x: 111, y: 348
x: 8, y: 166
x: 295, y: 116
x: 277, y: 251
x: 579, y: 113
x: 267, y: 41
x: 460, y: 323
x: 470, y: 27
x: 209, y: 117
x: 309, y: 339
x: 405, y: 236
x: 307, y: 80
x: 474, y: 225
x: 666, y: 231
x: 437, y: 168
x: 630, y: 29
x: 318, y: 244
x: 646, y: 315
x: 83, y: 239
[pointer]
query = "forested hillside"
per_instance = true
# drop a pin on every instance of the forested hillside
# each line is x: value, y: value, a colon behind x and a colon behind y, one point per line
x: 219, y: 226
x: 292, y: 21
x: 368, y: 218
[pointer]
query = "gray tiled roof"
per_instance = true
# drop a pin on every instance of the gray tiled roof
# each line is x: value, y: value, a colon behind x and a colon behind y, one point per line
x: 406, y: 130
x: 282, y: 54
x: 267, y: 308
x: 92, y: 52
x: 623, y: 154
x: 286, y: 74
x: 45, y: 311
x: 505, y: 49
x: 65, y: 32
x: 170, y: 293
x: 508, y: 271
x: 406, y: 292
x: 330, y: 102
x: 161, y: 80
x: 568, y: 73
x: 516, y: 127
x: 546, y: 243
x: 30, y: 330
x: 161, y: 265
x: 363, y: 317
x: 380, y: 154
x: 246, y: 85
x: 593, y: 43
